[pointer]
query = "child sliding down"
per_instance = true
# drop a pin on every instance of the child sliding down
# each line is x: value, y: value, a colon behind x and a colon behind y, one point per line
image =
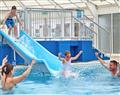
x: 66, y: 72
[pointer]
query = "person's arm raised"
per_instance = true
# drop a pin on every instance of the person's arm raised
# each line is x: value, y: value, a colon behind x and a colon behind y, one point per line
x: 4, y: 61
x: 77, y: 56
x: 21, y: 23
x: 60, y: 58
x: 101, y: 60
x: 25, y: 74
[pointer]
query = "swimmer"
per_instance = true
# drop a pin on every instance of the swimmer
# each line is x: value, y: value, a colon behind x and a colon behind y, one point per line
x: 67, y: 64
x: 113, y: 66
x: 4, y: 61
x: 9, y: 21
x: 8, y: 81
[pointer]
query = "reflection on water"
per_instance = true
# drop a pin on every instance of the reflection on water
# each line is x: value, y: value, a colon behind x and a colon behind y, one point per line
x: 93, y: 80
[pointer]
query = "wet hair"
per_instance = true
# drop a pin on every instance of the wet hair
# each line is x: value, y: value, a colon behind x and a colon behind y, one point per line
x: 13, y: 8
x: 6, y: 69
x: 114, y: 62
x: 67, y: 52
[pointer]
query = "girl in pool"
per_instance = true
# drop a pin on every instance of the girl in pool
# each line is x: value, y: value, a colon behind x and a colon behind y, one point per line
x: 7, y: 79
x: 67, y: 64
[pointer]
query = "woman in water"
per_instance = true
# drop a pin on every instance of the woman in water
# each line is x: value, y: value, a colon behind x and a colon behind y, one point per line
x: 67, y: 63
x: 7, y: 79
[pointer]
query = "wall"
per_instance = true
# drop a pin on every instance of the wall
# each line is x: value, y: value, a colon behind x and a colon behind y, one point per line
x: 103, y: 36
x: 116, y: 32
x: 109, y: 41
x: 55, y: 47
x: 108, y: 9
x: 73, y: 46
x: 5, y: 50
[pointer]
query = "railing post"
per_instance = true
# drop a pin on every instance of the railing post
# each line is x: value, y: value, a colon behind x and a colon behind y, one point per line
x: 72, y: 26
x: 63, y: 23
x: 96, y: 29
x: 14, y: 55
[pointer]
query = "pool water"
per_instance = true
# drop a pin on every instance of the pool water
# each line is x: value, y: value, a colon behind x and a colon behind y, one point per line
x: 93, y: 80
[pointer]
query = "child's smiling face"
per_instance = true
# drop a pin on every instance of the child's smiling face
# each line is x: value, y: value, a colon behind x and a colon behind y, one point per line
x: 67, y: 55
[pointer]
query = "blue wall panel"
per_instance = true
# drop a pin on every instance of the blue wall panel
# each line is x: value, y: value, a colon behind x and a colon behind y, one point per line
x: 4, y: 51
x: 55, y: 47
x: 51, y: 46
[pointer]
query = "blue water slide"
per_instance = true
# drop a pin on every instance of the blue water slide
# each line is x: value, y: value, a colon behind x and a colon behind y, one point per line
x: 28, y: 49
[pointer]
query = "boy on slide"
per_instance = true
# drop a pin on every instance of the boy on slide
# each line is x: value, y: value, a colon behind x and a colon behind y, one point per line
x: 67, y: 64
x: 9, y: 21
x: 112, y: 67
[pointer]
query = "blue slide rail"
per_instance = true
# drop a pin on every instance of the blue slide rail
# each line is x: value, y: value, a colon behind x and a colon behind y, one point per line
x: 29, y: 49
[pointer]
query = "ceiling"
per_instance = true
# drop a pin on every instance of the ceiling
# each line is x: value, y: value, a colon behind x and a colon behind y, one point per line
x: 58, y: 4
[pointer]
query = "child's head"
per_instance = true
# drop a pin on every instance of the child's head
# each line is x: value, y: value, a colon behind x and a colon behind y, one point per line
x: 13, y: 9
x: 7, y: 69
x: 113, y: 65
x: 67, y: 54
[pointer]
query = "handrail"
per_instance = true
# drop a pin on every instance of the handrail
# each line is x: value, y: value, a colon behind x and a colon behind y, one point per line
x: 85, y: 25
x: 96, y: 23
x: 87, y: 18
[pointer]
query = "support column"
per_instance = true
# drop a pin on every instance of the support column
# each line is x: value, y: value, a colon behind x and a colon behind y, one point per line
x: 111, y: 42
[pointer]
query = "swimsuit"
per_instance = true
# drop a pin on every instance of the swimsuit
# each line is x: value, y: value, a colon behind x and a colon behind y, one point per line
x: 10, y: 22
x: 67, y: 65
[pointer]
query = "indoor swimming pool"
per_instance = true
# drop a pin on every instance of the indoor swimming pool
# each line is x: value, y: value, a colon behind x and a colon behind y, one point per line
x: 93, y: 80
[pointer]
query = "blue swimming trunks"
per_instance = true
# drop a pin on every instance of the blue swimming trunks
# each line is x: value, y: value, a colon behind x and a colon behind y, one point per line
x: 10, y: 22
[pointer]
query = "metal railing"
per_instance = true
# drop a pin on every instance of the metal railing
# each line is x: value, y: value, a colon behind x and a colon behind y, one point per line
x: 101, y: 31
x: 85, y: 30
x: 55, y: 24
x: 47, y: 23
